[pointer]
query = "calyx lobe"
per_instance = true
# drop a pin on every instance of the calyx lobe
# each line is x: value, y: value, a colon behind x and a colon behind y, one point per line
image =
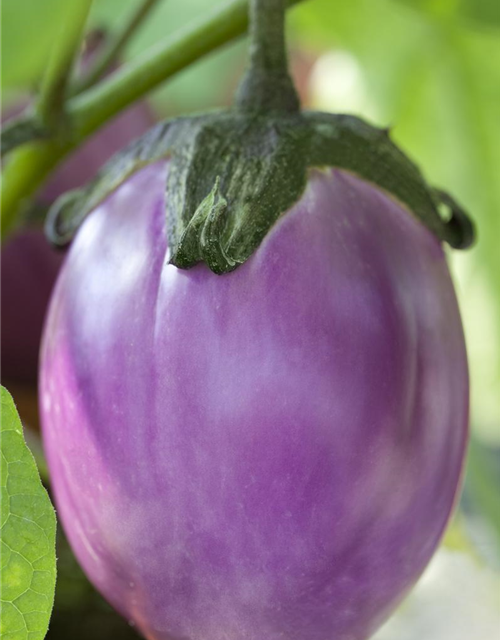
x: 232, y: 174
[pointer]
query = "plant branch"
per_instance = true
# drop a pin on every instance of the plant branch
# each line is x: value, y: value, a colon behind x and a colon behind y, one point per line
x: 29, y: 165
x: 114, y: 47
x: 18, y: 131
x: 51, y: 99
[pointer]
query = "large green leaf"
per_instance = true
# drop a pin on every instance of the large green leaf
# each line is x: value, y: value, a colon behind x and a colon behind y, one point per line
x: 27, y: 536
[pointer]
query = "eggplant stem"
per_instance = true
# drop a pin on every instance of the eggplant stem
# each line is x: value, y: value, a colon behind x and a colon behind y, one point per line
x: 267, y: 85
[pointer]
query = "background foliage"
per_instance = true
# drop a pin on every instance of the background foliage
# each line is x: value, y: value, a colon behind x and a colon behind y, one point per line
x: 430, y: 69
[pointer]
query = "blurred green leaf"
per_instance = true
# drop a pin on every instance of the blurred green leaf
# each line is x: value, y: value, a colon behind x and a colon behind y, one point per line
x: 482, y: 482
x: 448, y: 119
x: 27, y: 42
x: 483, y: 12
x: 29, y: 28
x: 438, y: 82
x: 27, y: 536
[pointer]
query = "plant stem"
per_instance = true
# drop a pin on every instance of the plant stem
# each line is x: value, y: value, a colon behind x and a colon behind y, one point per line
x: 51, y: 99
x: 90, y: 109
x: 20, y: 130
x: 267, y: 85
x: 23, y: 173
x: 29, y: 165
x: 115, y: 46
x: 267, y: 35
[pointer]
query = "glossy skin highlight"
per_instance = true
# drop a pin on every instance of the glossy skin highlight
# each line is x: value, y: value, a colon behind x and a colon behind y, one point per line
x: 269, y: 454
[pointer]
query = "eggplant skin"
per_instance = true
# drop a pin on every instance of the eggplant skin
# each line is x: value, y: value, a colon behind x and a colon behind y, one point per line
x: 269, y: 454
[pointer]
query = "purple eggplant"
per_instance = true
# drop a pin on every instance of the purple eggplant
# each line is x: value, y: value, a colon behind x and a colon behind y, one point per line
x: 272, y: 453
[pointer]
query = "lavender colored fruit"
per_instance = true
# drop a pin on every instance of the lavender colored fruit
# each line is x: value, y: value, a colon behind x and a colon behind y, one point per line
x: 269, y: 454
x: 30, y: 266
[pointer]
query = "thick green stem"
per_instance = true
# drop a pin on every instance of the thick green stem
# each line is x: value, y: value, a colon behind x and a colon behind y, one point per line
x: 29, y: 165
x: 24, y: 172
x: 267, y: 35
x: 20, y: 130
x: 267, y: 85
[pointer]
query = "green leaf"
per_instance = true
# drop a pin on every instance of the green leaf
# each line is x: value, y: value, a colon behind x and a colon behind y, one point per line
x: 482, y: 481
x: 449, y: 119
x: 27, y: 536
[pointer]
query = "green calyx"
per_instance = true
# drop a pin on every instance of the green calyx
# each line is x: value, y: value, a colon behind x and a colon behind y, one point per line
x: 233, y: 173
